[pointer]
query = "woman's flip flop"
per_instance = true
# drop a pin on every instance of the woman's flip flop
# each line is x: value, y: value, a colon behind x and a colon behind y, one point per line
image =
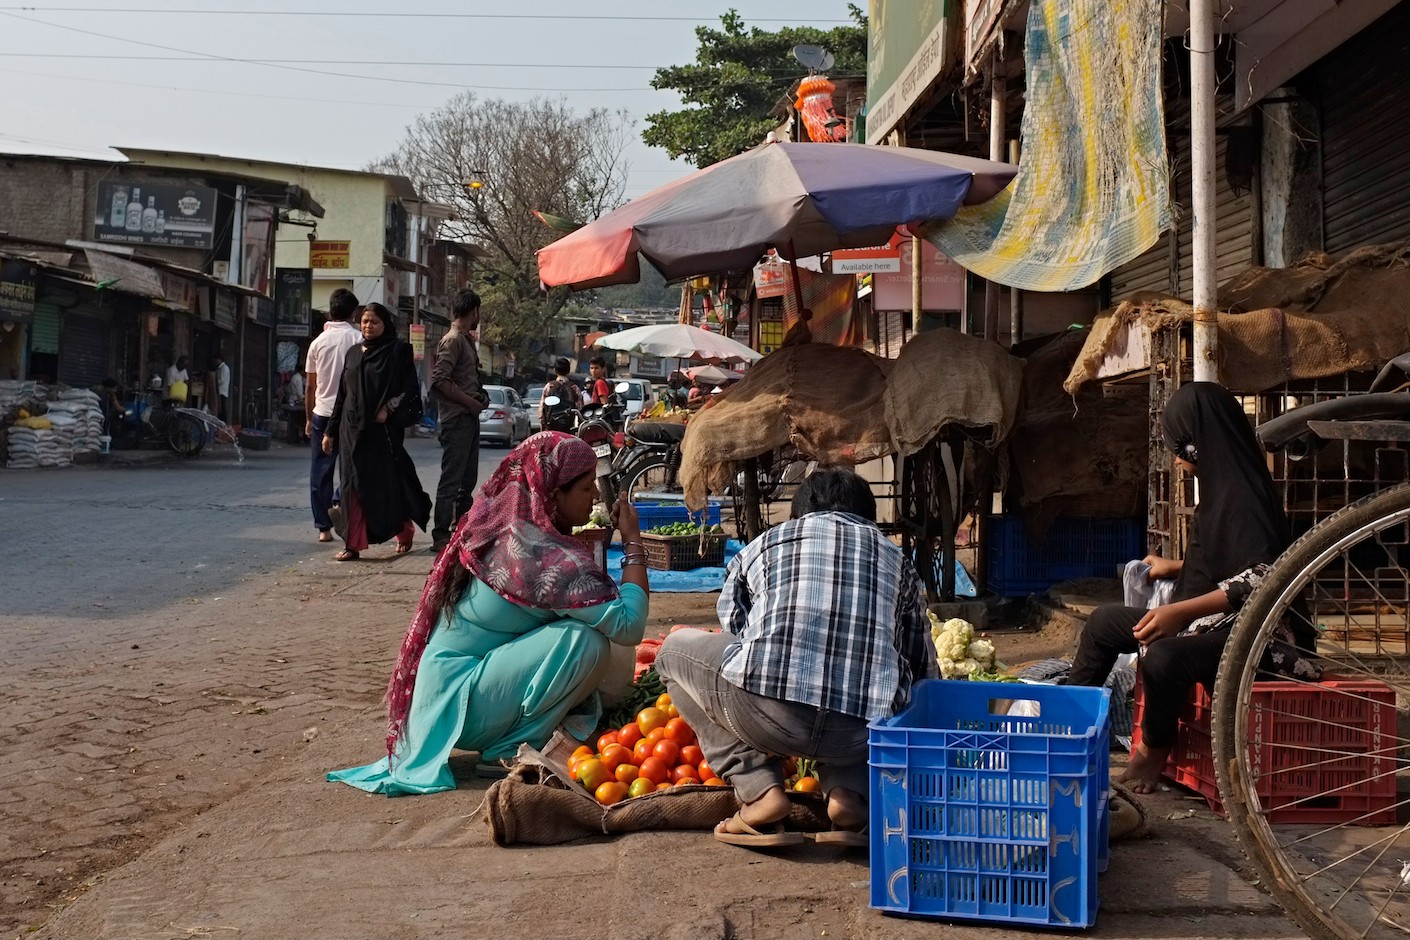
x: 769, y: 838
x: 847, y: 838
x: 347, y: 554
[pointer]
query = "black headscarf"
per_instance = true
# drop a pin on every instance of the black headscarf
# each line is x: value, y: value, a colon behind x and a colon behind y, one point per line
x: 1239, y: 521
x: 378, y: 370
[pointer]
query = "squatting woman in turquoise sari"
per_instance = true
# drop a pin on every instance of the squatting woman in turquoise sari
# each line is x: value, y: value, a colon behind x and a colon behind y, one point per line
x: 513, y: 627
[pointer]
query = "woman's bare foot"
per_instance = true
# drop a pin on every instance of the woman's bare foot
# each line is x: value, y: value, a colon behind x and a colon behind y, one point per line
x: 846, y: 808
x: 1142, y: 774
x: 765, y: 811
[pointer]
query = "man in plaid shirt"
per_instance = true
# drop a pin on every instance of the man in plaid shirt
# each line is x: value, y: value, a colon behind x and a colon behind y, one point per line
x: 824, y: 629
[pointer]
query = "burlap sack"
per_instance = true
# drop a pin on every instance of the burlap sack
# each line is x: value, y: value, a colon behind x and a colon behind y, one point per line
x: 535, y: 806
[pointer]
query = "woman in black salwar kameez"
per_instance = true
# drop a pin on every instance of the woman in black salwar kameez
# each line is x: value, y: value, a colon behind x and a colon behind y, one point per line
x: 381, y: 496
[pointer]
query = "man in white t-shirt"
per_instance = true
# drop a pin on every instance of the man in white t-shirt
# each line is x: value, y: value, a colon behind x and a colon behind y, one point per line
x: 222, y: 386
x: 323, y: 371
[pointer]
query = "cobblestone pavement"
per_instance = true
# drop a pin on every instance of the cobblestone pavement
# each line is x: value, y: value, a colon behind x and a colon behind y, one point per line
x: 168, y: 636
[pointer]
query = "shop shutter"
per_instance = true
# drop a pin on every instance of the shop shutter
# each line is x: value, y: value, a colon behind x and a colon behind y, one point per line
x: 1234, y: 223
x: 1364, y: 87
x: 85, y: 347
x: 44, y: 331
x: 255, y: 369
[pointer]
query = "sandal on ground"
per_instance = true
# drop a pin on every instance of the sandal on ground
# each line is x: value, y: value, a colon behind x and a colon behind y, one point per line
x: 403, y: 549
x: 847, y: 838
x: 324, y: 535
x: 772, y: 836
x: 347, y: 554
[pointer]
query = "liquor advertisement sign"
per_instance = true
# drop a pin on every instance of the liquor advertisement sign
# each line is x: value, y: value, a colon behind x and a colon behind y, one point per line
x: 293, y: 301
x: 143, y: 213
x: 19, y: 283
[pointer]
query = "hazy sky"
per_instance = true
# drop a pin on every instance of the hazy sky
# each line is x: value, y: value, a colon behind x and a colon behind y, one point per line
x: 79, y: 76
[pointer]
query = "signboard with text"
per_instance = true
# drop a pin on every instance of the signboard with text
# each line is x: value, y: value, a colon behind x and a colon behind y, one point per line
x: 329, y: 254
x: 941, y: 282
x: 907, y: 49
x: 19, y: 284
x: 145, y: 213
x: 867, y: 260
x: 293, y: 301
x: 417, y: 335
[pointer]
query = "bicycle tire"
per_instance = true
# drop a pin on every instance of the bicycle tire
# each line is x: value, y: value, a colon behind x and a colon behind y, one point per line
x: 185, y: 435
x: 657, y: 484
x: 1324, y: 899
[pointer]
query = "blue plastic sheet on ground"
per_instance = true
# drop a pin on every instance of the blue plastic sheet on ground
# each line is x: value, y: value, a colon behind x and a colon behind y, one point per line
x: 699, y: 581
x: 964, y: 584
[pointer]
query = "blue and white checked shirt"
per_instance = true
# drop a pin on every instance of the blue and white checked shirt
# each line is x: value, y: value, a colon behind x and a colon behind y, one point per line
x: 830, y: 614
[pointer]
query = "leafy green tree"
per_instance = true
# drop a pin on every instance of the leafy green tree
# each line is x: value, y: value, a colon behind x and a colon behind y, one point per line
x: 738, y: 76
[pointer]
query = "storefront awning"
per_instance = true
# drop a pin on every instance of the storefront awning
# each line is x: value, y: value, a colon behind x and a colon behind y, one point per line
x: 130, y: 277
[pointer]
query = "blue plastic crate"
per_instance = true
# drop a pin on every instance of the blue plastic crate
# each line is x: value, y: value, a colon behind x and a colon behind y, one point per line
x: 1072, y: 548
x: 979, y: 815
x: 654, y: 514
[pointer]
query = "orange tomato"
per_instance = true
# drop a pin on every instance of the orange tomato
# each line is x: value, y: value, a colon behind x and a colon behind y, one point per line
x: 655, y: 735
x: 583, y: 751
x: 678, y: 731
x: 629, y: 735
x: 664, y: 785
x: 685, y: 772
x: 609, y: 738
x: 691, y: 754
x: 807, y: 785
x: 670, y: 712
x: 593, y: 774
x: 651, y: 718
x: 627, y: 773
x: 615, y: 754
x: 655, y: 770
x: 642, y: 750
x: 612, y: 792
x: 715, y: 782
x: 668, y: 751
x: 640, y: 787
x: 706, y: 771
x: 663, y: 700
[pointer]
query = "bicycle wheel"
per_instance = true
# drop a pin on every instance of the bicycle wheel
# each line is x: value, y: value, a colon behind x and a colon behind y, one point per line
x: 185, y: 434
x: 1308, y: 771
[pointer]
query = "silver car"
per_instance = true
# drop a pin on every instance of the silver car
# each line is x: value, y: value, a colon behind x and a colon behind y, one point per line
x: 533, y: 400
x: 506, y: 420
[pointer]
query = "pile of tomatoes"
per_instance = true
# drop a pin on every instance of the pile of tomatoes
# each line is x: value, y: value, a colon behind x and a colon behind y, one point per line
x: 656, y: 752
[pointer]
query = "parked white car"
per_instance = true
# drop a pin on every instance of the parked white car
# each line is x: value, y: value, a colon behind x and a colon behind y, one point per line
x: 533, y: 400
x: 640, y: 396
x: 506, y: 420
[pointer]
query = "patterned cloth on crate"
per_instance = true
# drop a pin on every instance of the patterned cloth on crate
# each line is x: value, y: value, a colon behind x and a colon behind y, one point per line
x: 829, y: 614
x: 509, y: 541
x: 1121, y: 682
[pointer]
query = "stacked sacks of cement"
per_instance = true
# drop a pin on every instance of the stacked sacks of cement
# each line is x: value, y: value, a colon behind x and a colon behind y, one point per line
x: 38, y: 447
x: 85, y: 408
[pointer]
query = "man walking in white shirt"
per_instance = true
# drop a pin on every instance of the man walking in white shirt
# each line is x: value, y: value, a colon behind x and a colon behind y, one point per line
x: 323, y: 372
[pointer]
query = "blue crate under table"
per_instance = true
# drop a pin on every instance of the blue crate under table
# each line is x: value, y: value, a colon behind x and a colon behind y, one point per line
x: 652, y: 514
x: 978, y: 814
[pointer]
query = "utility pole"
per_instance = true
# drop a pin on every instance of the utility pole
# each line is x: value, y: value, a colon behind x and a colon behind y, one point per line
x: 1206, y: 325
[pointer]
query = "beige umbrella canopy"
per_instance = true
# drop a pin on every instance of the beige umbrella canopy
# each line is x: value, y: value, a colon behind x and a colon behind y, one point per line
x: 678, y: 341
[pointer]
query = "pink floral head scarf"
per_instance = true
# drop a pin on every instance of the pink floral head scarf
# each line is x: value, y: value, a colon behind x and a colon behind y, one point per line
x: 509, y: 540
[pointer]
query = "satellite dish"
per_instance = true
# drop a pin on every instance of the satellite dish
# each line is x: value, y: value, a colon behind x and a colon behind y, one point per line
x: 812, y: 57
x: 827, y: 63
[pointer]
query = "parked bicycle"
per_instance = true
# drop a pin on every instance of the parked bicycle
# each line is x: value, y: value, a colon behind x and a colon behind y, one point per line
x: 148, y: 417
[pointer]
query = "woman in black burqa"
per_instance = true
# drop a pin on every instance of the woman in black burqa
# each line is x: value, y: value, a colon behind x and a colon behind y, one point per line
x: 1238, y: 530
x: 378, y: 398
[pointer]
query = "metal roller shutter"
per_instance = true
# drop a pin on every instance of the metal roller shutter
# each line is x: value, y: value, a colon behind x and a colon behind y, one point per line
x: 1365, y: 102
x: 44, y: 331
x: 85, y: 348
x: 255, y: 366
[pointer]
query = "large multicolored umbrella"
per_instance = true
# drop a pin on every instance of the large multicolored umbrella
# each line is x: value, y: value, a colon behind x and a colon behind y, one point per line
x: 677, y: 341
x: 802, y: 199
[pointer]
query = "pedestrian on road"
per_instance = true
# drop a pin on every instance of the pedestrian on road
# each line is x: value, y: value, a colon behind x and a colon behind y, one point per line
x: 598, y: 388
x: 513, y: 628
x: 456, y: 379
x: 559, y: 416
x: 323, y: 375
x: 222, y: 387
x: 824, y: 629
x: 1239, y: 530
x: 379, y: 397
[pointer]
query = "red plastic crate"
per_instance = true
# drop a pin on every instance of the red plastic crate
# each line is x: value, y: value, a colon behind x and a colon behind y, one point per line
x: 1323, y: 753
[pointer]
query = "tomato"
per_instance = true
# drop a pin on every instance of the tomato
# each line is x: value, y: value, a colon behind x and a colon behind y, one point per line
x: 640, y: 787
x: 655, y: 770
x: 663, y: 700
x: 790, y: 767
x: 629, y: 735
x: 807, y: 785
x: 678, y: 731
x: 669, y: 752
x: 612, y: 792
x: 642, y: 750
x: 656, y: 735
x: 583, y: 751
x: 606, y: 739
x: 691, y: 754
x: 706, y: 771
x: 592, y: 774
x: 670, y: 712
x: 627, y: 773
x: 664, y: 785
x: 685, y: 772
x: 615, y: 754
x: 715, y: 782
x: 649, y: 719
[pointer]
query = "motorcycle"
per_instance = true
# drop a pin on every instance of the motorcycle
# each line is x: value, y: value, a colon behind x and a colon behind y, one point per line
x: 602, y: 428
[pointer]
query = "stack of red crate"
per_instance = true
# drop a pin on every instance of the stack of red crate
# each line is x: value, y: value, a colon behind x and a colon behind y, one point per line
x: 1317, y: 753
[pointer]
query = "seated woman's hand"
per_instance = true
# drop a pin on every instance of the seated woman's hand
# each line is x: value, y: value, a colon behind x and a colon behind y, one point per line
x: 1162, y: 567
x: 625, y: 516
x: 1160, y: 622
